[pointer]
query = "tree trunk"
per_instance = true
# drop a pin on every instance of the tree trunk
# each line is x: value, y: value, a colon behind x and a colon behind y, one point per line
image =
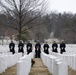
x: 19, y: 37
x: 20, y: 23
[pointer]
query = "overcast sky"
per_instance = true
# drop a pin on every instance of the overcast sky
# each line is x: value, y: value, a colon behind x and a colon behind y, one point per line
x: 62, y: 5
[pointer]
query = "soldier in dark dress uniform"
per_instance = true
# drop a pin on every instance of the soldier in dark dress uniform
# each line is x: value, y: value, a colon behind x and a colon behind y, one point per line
x: 46, y: 47
x: 54, y: 47
x: 62, y: 47
x: 20, y: 47
x: 29, y: 47
x: 12, y: 46
x: 37, y: 50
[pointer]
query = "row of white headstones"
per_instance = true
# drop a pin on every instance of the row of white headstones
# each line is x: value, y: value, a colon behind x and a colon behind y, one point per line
x: 70, y: 48
x: 7, y: 60
x: 56, y: 63
x: 24, y: 64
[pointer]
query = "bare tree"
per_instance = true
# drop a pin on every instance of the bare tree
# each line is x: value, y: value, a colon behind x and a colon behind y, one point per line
x: 20, y: 13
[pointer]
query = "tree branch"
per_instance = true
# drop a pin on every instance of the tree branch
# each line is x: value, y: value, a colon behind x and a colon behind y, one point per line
x: 13, y: 27
x: 29, y: 22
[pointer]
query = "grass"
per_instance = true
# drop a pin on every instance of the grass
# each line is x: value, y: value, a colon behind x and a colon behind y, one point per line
x: 71, y: 72
x: 35, y: 70
x: 10, y: 71
x: 39, y: 69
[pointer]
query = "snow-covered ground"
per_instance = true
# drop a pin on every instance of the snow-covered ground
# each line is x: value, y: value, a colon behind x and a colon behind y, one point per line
x: 70, y: 48
x: 5, y: 49
x: 7, y: 59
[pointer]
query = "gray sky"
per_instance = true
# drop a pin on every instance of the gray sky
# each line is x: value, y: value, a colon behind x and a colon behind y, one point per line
x: 62, y: 5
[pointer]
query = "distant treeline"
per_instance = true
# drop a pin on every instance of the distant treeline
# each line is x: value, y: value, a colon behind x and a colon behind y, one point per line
x: 63, y: 26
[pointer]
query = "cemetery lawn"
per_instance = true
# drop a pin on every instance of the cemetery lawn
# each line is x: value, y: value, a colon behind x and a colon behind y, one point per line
x: 37, y: 69
x: 10, y: 71
x: 71, y: 72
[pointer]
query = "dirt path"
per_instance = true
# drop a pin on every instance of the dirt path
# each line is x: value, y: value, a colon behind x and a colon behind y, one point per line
x: 10, y: 71
x: 71, y: 72
x: 39, y: 68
